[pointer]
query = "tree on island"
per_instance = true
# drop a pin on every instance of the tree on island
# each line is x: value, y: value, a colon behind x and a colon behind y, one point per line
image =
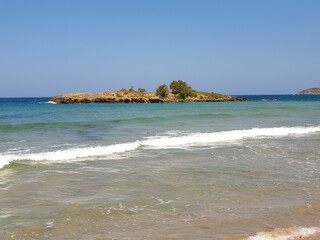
x: 178, y: 87
x: 162, y: 91
x: 181, y: 88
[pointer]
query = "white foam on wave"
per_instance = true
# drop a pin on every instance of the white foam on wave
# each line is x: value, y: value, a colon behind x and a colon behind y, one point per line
x: 167, y: 141
x: 228, y: 136
x: 51, y: 102
x: 286, y: 234
x: 69, y: 154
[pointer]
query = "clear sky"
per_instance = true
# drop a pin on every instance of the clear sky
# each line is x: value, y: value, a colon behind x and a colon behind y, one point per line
x: 234, y: 47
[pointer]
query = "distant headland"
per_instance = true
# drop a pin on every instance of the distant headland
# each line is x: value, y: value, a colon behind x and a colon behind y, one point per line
x: 310, y: 91
x: 180, y: 92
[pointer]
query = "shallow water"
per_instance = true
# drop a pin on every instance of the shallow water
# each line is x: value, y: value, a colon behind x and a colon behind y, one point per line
x: 159, y: 171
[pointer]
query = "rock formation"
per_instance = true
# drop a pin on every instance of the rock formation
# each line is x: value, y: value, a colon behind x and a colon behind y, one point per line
x: 310, y: 91
x: 131, y: 96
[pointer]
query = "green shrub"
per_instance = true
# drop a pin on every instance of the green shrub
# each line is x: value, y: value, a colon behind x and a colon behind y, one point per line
x: 162, y: 91
x: 141, y: 90
x: 181, y: 88
x: 183, y: 95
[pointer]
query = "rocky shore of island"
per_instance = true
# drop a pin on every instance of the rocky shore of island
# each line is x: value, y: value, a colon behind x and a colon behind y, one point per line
x: 134, y: 97
x: 180, y: 92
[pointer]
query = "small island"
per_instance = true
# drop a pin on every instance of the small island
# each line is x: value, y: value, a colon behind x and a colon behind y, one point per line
x: 180, y: 92
x: 309, y: 91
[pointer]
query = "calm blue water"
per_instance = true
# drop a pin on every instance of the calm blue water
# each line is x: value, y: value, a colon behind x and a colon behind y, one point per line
x: 158, y: 171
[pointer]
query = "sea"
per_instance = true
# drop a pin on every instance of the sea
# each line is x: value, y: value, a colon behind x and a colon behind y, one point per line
x: 220, y: 170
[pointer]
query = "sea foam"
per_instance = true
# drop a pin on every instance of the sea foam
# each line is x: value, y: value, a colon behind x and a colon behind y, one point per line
x: 51, y: 102
x: 163, y: 142
x: 286, y: 234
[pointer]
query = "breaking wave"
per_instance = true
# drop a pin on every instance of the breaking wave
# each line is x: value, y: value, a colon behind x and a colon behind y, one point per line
x: 51, y: 102
x: 167, y: 141
x: 286, y: 234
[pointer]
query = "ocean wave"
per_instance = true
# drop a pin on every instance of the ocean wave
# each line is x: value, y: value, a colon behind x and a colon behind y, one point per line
x: 51, y: 102
x: 69, y: 154
x: 162, y: 142
x: 286, y: 234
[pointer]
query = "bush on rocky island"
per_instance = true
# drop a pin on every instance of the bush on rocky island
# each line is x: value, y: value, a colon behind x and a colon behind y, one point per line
x: 162, y: 91
x: 181, y: 88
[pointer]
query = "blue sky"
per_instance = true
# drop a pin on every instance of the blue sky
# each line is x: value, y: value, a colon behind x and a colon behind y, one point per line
x: 233, y: 47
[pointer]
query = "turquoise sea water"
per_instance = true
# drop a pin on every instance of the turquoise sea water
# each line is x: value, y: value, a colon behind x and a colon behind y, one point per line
x: 159, y: 171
